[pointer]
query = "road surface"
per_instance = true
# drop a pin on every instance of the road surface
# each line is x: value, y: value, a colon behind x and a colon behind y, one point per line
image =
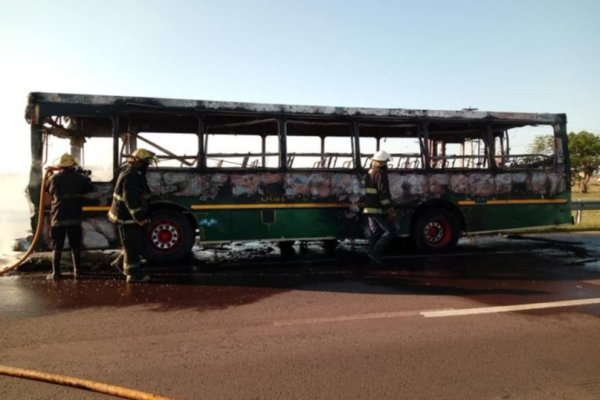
x: 498, y: 318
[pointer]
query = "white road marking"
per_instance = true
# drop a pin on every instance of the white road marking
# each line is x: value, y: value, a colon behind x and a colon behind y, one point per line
x: 438, y: 313
x: 500, y: 309
x: 342, y: 318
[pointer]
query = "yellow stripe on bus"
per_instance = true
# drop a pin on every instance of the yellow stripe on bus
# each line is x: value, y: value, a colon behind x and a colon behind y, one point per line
x: 267, y: 205
x: 510, y: 202
x: 252, y: 206
x: 240, y: 206
x: 95, y: 208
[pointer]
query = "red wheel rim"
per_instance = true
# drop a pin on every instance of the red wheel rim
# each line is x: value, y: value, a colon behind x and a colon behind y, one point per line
x: 437, y: 232
x: 165, y: 235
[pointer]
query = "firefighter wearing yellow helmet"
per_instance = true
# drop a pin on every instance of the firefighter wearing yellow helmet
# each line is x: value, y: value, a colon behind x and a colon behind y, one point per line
x: 129, y: 210
x: 378, y: 207
x: 66, y: 188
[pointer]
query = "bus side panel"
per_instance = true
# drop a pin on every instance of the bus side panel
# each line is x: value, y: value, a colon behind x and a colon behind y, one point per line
x: 488, y: 201
x: 214, y: 225
x: 294, y: 223
x: 481, y: 218
x: 403, y: 220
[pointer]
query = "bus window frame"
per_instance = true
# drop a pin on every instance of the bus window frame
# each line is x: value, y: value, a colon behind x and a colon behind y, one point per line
x: 545, y: 162
x: 354, y: 133
x: 263, y: 135
x: 326, y: 157
x: 482, y: 133
x: 421, y: 129
x: 120, y: 156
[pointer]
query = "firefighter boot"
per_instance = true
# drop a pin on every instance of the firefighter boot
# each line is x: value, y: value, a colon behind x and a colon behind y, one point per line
x: 55, y: 275
x: 76, y: 256
x: 135, y: 274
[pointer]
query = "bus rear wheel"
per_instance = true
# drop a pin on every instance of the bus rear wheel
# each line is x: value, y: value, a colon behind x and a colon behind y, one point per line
x: 170, y: 237
x: 436, y: 230
x: 286, y: 247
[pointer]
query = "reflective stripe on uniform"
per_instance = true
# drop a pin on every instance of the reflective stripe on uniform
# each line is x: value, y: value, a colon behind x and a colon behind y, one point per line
x: 127, y: 268
x: 369, y: 210
x: 131, y: 210
x: 114, y: 218
x: 371, y: 191
x: 385, y: 202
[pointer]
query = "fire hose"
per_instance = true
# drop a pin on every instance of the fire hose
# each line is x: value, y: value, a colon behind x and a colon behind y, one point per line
x: 78, y: 383
x: 38, y: 229
x: 60, y: 379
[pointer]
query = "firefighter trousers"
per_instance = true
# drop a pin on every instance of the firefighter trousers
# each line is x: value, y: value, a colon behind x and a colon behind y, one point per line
x: 382, y: 232
x: 132, y: 239
x: 58, y: 234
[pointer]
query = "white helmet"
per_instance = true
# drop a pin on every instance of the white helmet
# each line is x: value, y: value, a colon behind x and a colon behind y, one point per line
x: 382, y: 155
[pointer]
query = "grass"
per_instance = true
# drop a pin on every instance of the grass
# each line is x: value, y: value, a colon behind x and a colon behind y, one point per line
x: 590, y: 220
x: 592, y: 194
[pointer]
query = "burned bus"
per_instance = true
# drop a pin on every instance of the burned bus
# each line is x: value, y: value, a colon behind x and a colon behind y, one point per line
x: 243, y: 171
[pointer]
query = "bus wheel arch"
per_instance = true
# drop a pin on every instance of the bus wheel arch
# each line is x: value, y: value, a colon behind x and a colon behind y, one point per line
x: 436, y: 226
x: 171, y: 234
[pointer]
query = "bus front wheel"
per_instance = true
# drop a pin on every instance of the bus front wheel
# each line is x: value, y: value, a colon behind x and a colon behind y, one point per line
x: 436, y: 230
x: 170, y: 237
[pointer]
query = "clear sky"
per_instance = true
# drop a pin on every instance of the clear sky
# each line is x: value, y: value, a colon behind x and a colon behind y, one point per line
x: 509, y: 55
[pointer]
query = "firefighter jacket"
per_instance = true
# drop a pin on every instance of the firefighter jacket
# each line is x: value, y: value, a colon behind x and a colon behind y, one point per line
x: 67, y: 188
x: 378, y: 199
x: 130, y: 198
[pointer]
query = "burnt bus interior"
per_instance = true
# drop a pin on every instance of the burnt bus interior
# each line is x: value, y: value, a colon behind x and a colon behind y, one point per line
x: 236, y: 141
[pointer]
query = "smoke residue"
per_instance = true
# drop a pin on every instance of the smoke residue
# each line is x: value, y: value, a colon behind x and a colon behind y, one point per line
x: 14, y: 211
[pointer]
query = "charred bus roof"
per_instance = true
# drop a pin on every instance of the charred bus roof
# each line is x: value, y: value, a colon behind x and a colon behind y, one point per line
x: 45, y: 104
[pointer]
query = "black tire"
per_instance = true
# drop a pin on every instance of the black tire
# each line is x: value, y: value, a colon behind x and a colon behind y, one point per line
x: 330, y: 246
x: 286, y: 247
x: 170, y: 237
x: 436, y: 230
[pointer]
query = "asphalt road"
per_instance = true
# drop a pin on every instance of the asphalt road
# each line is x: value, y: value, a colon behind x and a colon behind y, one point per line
x: 498, y: 318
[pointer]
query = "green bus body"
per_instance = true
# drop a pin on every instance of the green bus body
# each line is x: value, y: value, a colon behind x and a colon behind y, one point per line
x: 243, y: 194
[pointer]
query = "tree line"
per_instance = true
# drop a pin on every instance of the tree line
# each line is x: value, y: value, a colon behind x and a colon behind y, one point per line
x: 584, y: 151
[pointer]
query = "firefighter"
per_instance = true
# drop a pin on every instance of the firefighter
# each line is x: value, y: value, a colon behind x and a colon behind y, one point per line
x: 66, y: 187
x: 378, y: 207
x: 129, y: 210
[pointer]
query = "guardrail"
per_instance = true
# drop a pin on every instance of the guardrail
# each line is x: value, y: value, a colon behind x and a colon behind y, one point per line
x: 583, y: 205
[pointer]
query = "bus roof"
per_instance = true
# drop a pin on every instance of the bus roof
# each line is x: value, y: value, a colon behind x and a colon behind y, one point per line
x: 124, y: 102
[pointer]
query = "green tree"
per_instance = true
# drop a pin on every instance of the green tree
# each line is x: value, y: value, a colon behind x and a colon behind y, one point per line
x: 542, y: 144
x: 584, y: 150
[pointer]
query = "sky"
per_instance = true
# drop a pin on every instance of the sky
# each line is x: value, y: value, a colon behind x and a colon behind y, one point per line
x: 510, y: 55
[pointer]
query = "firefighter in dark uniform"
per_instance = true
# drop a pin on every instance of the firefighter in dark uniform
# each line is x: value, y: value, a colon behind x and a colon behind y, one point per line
x: 67, y: 187
x: 378, y: 207
x: 129, y: 210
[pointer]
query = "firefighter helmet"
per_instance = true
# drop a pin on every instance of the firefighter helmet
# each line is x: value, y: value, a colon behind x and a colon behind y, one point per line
x: 144, y: 155
x: 66, y: 161
x: 381, y: 155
